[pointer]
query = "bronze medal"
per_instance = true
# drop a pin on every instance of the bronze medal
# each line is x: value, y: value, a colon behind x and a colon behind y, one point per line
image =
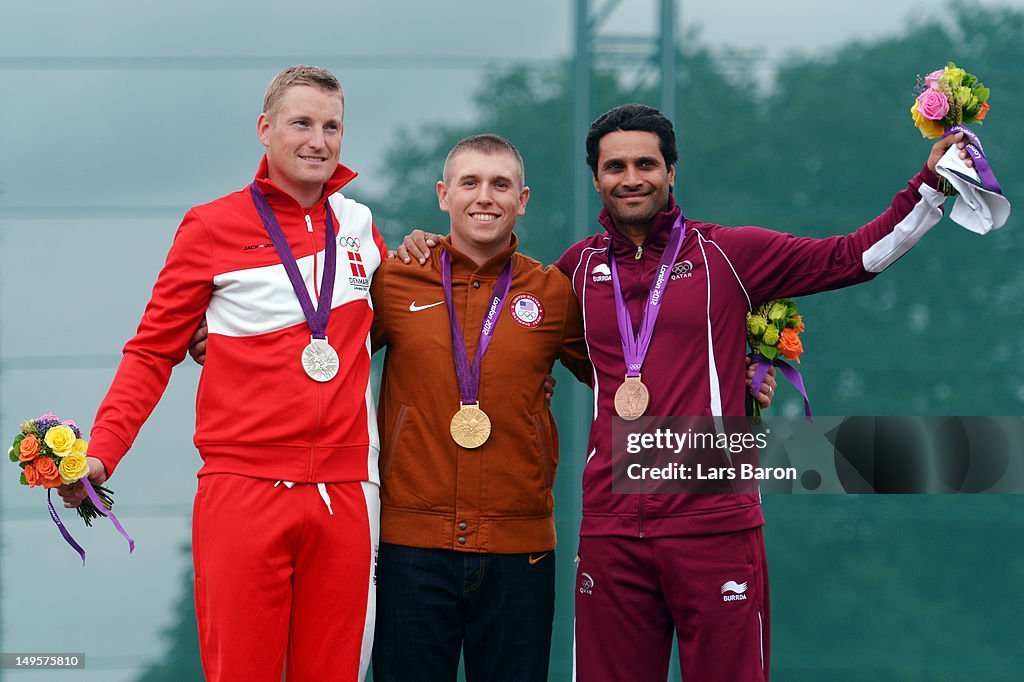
x: 470, y: 426
x: 631, y: 398
x: 320, y: 360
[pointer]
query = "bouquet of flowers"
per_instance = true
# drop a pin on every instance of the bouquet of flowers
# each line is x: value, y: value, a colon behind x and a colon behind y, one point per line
x: 947, y: 101
x: 773, y: 333
x: 948, y: 97
x: 51, y: 453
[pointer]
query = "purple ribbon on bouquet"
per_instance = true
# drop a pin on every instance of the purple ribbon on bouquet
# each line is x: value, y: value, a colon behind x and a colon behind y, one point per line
x: 977, y: 152
x: 100, y: 507
x: 788, y: 371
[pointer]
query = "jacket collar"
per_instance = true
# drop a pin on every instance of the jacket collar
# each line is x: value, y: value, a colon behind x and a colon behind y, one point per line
x: 342, y: 176
x: 464, y: 266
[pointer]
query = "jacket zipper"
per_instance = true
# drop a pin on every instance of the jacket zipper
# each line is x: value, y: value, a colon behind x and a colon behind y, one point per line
x: 642, y: 499
x: 319, y: 388
x: 312, y: 241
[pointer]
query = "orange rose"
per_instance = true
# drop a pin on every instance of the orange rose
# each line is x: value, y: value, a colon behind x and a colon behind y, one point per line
x: 49, y: 475
x: 29, y: 448
x: 983, y: 113
x: 790, y: 346
x: 31, y: 476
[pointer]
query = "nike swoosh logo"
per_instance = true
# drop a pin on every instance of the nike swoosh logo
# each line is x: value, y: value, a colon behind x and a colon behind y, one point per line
x: 413, y: 307
x: 532, y: 559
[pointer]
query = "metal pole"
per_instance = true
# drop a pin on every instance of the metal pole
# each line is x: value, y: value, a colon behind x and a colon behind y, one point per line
x: 581, y: 122
x: 667, y: 51
x: 581, y: 411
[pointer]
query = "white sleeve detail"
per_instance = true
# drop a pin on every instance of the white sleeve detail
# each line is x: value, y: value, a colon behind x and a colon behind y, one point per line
x: 714, y: 386
x: 907, y: 232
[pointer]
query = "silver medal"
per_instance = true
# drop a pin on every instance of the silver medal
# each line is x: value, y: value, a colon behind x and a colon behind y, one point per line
x: 320, y: 360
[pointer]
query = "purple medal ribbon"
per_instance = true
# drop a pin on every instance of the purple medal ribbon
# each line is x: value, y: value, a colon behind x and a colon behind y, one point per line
x: 469, y: 376
x: 634, y: 347
x: 317, y: 319
x: 100, y: 507
x: 974, y: 148
x: 788, y: 371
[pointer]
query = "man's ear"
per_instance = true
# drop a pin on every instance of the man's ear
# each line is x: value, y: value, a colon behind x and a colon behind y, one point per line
x: 524, y: 196
x: 442, y: 196
x: 263, y: 128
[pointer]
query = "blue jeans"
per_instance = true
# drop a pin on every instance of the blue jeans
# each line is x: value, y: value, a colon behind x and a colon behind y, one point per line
x: 431, y: 603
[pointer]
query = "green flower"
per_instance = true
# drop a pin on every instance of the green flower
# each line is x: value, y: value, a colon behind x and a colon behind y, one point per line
x: 771, y: 335
x: 954, y: 76
x: 966, y: 98
x: 779, y: 310
x: 756, y: 324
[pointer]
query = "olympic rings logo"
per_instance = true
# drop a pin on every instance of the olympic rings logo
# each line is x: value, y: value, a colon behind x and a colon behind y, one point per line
x: 349, y: 242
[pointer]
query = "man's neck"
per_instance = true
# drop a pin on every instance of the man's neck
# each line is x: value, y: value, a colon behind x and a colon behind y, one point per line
x: 306, y: 196
x: 635, y: 232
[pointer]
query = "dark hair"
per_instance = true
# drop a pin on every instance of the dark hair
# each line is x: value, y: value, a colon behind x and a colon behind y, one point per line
x: 487, y: 143
x: 632, y: 117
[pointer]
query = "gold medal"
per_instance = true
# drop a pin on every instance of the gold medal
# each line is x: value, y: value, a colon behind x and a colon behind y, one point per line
x: 320, y: 360
x: 631, y: 398
x: 470, y: 426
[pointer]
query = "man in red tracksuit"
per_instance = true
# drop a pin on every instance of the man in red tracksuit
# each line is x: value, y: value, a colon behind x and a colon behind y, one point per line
x: 285, y: 524
x: 694, y: 564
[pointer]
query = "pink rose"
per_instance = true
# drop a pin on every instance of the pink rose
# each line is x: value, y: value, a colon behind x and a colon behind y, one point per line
x: 931, y: 81
x: 933, y: 105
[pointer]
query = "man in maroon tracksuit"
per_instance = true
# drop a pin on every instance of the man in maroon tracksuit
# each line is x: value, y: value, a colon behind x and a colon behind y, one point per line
x: 651, y: 564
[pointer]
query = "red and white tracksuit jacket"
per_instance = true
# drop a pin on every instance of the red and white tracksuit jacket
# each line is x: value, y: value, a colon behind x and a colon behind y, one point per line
x: 257, y: 413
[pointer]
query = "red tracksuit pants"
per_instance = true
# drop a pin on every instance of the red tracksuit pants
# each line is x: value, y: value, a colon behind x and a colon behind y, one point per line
x: 633, y: 593
x: 282, y: 584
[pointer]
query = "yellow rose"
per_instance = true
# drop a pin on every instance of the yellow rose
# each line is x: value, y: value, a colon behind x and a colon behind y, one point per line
x: 72, y: 468
x: 60, y: 439
x: 80, y: 446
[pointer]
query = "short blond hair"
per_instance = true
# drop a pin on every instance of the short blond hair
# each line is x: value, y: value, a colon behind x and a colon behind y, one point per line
x: 300, y: 74
x: 487, y: 143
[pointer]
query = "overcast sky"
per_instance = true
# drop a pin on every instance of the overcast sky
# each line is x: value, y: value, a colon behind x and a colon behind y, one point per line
x: 403, y: 63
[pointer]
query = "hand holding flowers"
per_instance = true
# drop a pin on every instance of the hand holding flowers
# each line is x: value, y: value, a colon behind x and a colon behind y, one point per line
x: 947, y: 101
x: 52, y: 454
x: 773, y: 333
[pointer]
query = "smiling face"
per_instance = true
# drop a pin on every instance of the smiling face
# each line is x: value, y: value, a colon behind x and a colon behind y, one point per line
x: 483, y: 195
x: 302, y: 135
x: 633, y: 179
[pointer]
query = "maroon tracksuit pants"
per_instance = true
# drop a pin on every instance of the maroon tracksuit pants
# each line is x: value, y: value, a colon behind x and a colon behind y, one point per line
x: 633, y: 593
